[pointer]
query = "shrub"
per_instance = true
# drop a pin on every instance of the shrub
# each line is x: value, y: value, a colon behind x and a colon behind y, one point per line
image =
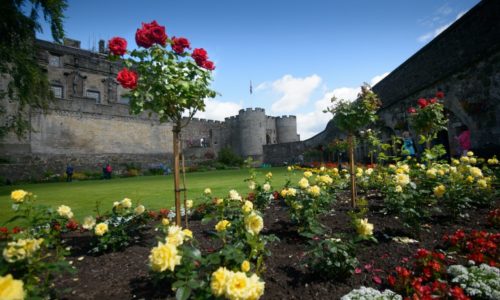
x: 228, y: 157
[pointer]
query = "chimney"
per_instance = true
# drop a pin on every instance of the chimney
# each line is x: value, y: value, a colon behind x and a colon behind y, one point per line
x: 102, y: 46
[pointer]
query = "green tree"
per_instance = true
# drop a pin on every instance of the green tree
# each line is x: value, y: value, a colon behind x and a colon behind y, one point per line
x: 27, y: 83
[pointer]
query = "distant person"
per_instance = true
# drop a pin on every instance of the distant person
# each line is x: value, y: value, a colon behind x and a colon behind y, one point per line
x: 69, y: 173
x: 464, y: 140
x: 408, y: 147
x: 107, y: 171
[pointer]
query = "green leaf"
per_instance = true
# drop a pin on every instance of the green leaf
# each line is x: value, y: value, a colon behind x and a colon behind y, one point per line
x: 183, y: 293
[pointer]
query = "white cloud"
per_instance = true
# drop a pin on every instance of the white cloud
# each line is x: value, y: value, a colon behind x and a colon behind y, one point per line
x: 294, y: 92
x: 312, y: 123
x: 218, y: 110
x: 432, y: 34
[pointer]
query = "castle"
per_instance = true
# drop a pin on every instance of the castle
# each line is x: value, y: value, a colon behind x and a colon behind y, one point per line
x: 88, y: 124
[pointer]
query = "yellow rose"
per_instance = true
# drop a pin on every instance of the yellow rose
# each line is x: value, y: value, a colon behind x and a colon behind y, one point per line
x: 304, y: 183
x: 219, y: 281
x: 247, y: 207
x: 237, y: 286
x: 314, y: 191
x: 431, y: 173
x: 291, y: 192
x: 307, y: 174
x: 284, y: 193
x: 464, y: 159
x: 476, y: 172
x: 245, y: 266
x: 126, y: 203
x: 101, y: 229
x: 326, y: 179
x: 256, y: 289
x: 398, y: 189
x: 165, y: 222
x: 222, y: 225
x: 269, y: 176
x: 455, y: 162
x: 369, y: 171
x: 493, y: 161
x: 440, y: 172
x: 364, y: 228
x: 469, y: 179
x: 13, y: 253
x: 439, y: 191
x: 65, y: 211
x: 139, y: 210
x: 175, y: 235
x: 482, y: 183
x: 219, y: 201
x: 254, y: 223
x: 11, y: 289
x: 251, y: 185
x: 18, y: 195
x: 473, y: 161
x: 335, y: 170
x: 470, y: 153
x: 32, y: 245
x: 88, y: 223
x: 402, y: 179
x: 233, y: 195
x: 289, y: 169
x: 266, y: 187
x: 188, y: 234
x: 189, y: 204
x: 207, y: 191
x: 163, y: 257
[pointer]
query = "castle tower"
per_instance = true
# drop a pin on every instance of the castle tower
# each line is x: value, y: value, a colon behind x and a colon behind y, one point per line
x: 286, y: 129
x: 252, y: 132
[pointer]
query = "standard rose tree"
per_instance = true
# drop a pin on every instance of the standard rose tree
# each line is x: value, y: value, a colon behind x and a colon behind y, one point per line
x: 165, y: 78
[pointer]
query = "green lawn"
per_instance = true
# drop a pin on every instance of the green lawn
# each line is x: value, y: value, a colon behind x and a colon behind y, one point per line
x: 152, y: 191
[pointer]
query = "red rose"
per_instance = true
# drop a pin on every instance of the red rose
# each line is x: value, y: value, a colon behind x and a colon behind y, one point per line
x: 72, y: 225
x: 127, y: 78
x: 439, y: 95
x: 16, y: 230
x: 422, y: 102
x: 143, y: 39
x: 180, y: 44
x: 200, y: 56
x: 433, y: 100
x: 391, y: 280
x: 117, y: 46
x: 149, y: 34
x: 158, y: 35
x: 4, y: 230
x: 412, y: 110
x: 209, y: 65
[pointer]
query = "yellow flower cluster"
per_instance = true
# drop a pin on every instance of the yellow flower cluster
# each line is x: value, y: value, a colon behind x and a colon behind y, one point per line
x: 304, y: 183
x: 482, y: 183
x: 236, y: 285
x: 254, y: 223
x: 266, y: 187
x: 364, y: 228
x: 164, y: 256
x: 101, y: 229
x: 189, y: 204
x: 11, y: 289
x: 359, y: 172
x: 222, y: 225
x: 269, y: 176
x: 247, y: 207
x: 289, y: 192
x: 21, y: 249
x: 325, y: 179
x: 251, y: 185
x: 233, y: 195
x: 476, y: 172
x: 88, y: 223
x: 431, y: 173
x: 207, y: 191
x: 439, y: 191
x: 18, y: 195
x: 308, y: 174
x: 65, y: 211
x: 493, y: 161
x: 314, y: 191
x: 402, y: 179
x: 369, y: 171
x: 125, y: 203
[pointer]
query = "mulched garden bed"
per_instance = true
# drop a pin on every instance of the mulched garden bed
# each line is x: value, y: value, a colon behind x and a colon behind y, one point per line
x: 125, y: 274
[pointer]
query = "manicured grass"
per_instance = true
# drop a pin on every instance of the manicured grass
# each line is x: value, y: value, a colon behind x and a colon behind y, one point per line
x: 154, y: 192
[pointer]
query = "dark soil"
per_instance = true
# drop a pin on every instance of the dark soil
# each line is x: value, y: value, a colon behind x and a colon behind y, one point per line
x: 124, y: 275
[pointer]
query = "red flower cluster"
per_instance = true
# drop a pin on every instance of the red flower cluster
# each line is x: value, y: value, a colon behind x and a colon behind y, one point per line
x: 201, y: 58
x: 179, y: 44
x: 163, y: 212
x: 150, y: 34
x: 4, y: 233
x: 127, y: 78
x: 425, y: 282
x: 412, y: 110
x: 117, y: 46
x: 439, y: 95
x: 422, y: 102
x: 480, y: 246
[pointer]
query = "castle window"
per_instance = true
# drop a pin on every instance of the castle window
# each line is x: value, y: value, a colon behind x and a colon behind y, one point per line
x: 54, y: 61
x: 94, y: 95
x: 57, y: 90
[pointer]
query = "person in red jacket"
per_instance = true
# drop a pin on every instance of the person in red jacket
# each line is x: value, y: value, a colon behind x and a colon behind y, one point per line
x: 464, y: 140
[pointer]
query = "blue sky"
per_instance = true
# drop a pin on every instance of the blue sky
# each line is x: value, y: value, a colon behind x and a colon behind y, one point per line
x: 298, y: 54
